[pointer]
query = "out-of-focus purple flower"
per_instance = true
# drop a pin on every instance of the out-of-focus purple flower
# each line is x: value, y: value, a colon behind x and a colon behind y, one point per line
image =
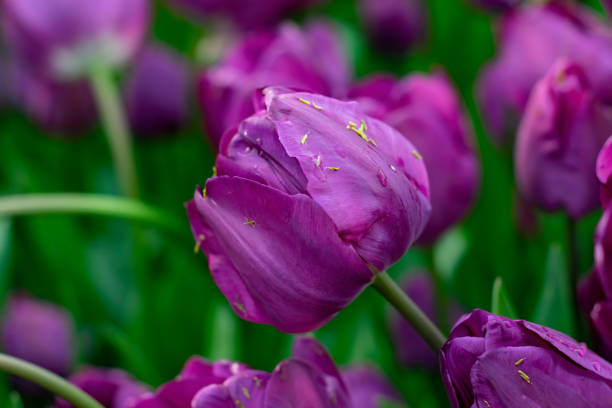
x: 604, y: 171
x: 156, y: 92
x: 493, y: 361
x: 309, y: 58
x: 39, y: 332
x: 369, y: 388
x: 410, y: 347
x: 308, y: 379
x: 307, y: 190
x: 603, y: 251
x: 112, y: 388
x: 246, y: 14
x: 427, y: 111
x: 59, y: 107
x: 496, y: 5
x: 65, y: 38
x: 393, y: 25
x: 563, y: 130
x: 531, y: 40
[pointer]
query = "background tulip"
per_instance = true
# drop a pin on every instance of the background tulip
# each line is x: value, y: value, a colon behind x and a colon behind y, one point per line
x: 63, y: 38
x: 604, y: 171
x: 308, y: 58
x: 530, y: 41
x: 112, y: 388
x: 393, y: 25
x: 495, y: 361
x: 369, y: 388
x: 428, y: 112
x: 560, y: 135
x: 300, y: 180
x: 156, y: 92
x: 39, y: 332
x: 496, y: 5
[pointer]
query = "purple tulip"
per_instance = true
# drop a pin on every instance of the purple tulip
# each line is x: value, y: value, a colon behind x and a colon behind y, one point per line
x: 369, y: 388
x: 411, y: 349
x: 493, y: 361
x: 39, y: 332
x: 308, y: 379
x: 309, y: 59
x: 156, y: 92
x: 531, y: 40
x: 428, y: 112
x: 603, y: 251
x: 59, y: 107
x: 393, y: 25
x: 563, y: 129
x: 307, y: 190
x: 64, y: 38
x: 112, y: 388
x: 496, y: 5
x: 604, y: 171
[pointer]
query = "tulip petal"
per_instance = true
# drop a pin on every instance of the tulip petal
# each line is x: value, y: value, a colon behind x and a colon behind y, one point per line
x: 277, y: 258
x: 368, y: 388
x: 313, y: 353
x: 212, y: 396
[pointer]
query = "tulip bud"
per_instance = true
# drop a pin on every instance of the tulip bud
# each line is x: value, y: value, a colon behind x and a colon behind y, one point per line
x: 307, y: 190
x: 112, y: 388
x: 370, y: 389
x: 63, y: 108
x: 65, y: 39
x: 39, y: 332
x: 156, y: 92
x: 427, y: 111
x: 492, y: 361
x: 393, y: 25
x: 560, y: 135
x: 604, y: 172
x: 309, y: 59
x: 496, y: 5
x: 531, y: 40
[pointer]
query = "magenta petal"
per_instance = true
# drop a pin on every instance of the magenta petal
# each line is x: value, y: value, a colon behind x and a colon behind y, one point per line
x: 603, y: 251
x: 601, y: 317
x: 312, y: 352
x: 295, y: 384
x: 604, y: 171
x: 248, y: 388
x: 369, y: 388
x: 213, y: 396
x: 277, y: 258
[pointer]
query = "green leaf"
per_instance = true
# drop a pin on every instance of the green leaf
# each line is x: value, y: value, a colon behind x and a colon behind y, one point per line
x: 554, y: 307
x: 448, y: 252
x: 501, y: 304
x: 224, y: 333
x: 5, y: 253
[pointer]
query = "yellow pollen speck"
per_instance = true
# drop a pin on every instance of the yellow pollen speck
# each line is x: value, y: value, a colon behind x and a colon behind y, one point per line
x: 373, y: 142
x: 304, y: 101
x: 417, y: 155
x: 214, y: 171
x: 257, y: 382
x: 519, y: 362
x: 239, y: 404
x: 204, y: 193
x: 246, y: 393
x: 318, y: 161
x: 201, y: 238
x: 487, y: 404
x: 317, y: 107
x: 524, y: 376
x: 333, y: 168
x: 249, y: 222
x: 304, y: 139
x: 361, y: 131
x: 240, y: 307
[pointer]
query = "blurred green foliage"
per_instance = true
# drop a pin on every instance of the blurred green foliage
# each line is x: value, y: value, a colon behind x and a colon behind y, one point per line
x: 144, y: 302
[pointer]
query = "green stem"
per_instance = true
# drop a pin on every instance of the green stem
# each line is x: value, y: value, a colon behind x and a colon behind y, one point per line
x: 573, y: 265
x: 116, y: 129
x: 46, y: 379
x: 92, y: 204
x: 408, y: 309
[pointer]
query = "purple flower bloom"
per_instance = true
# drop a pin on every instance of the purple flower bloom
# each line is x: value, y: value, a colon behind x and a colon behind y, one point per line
x: 603, y: 251
x: 112, y: 388
x: 496, y: 5
x: 604, y: 171
x: 59, y: 107
x: 39, y: 332
x: 308, y: 188
x: 410, y: 347
x: 63, y: 38
x: 309, y: 59
x: 492, y: 361
x: 393, y: 25
x: 559, y: 138
x: 369, y: 388
x: 308, y: 379
x: 156, y: 92
x: 427, y: 111
x: 531, y: 40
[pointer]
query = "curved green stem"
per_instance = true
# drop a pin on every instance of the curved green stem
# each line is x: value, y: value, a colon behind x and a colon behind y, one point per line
x: 46, y: 379
x: 93, y: 204
x: 116, y: 129
x: 408, y: 309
